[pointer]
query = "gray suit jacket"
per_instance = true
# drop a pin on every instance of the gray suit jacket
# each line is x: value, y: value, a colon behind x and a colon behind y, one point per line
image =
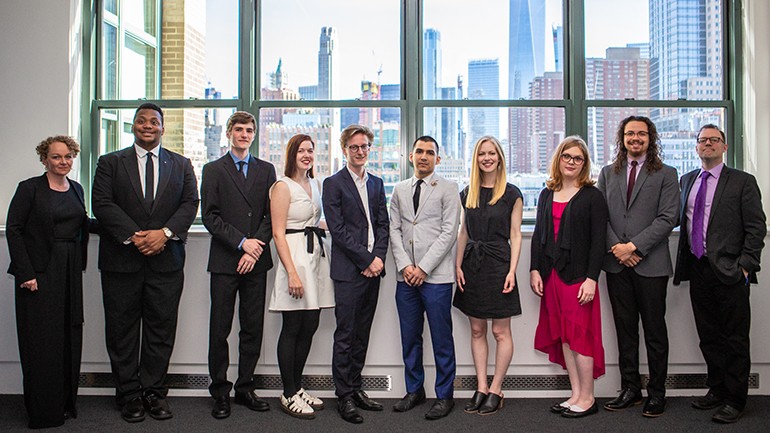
x: 427, y: 239
x: 646, y: 221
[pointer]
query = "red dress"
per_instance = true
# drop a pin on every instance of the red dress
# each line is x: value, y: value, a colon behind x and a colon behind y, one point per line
x: 564, y: 320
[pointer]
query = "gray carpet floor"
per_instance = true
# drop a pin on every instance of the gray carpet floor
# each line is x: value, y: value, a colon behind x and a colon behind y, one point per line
x: 191, y: 414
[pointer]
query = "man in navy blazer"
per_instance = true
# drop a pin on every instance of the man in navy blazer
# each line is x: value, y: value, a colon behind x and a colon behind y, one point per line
x: 642, y: 196
x: 720, y: 244
x: 357, y: 216
x: 145, y: 198
x: 235, y: 207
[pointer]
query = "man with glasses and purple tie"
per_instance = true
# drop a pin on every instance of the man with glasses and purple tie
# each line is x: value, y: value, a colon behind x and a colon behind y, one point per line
x: 720, y: 243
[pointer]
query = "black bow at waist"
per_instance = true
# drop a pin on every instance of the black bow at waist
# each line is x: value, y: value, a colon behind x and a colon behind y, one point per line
x: 475, y: 251
x: 309, y: 231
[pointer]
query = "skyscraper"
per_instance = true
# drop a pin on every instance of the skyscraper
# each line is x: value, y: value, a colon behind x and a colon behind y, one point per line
x: 431, y: 58
x: 483, y: 83
x: 558, y: 48
x: 526, y: 45
x: 328, y: 61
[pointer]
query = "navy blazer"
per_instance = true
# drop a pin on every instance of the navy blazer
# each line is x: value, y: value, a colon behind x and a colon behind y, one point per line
x: 736, y: 228
x: 29, y: 229
x: 346, y: 218
x: 234, y: 208
x: 118, y: 204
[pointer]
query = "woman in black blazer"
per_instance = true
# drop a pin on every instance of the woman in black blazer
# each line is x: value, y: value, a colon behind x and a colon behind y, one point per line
x: 47, y: 231
x: 568, y: 246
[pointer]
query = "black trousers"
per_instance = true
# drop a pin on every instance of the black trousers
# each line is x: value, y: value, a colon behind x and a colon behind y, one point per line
x: 140, y: 308
x: 250, y: 288
x: 723, y: 319
x: 632, y: 297
x: 356, y: 302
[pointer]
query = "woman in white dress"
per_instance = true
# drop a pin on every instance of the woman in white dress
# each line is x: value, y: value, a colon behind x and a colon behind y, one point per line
x: 302, y: 283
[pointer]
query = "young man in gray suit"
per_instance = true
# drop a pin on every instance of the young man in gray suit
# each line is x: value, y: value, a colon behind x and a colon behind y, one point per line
x: 235, y: 208
x: 642, y: 195
x: 424, y: 218
x: 720, y: 246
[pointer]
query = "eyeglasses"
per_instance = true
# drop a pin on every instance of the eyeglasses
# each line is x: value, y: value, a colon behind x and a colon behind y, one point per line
x: 577, y: 159
x: 640, y: 134
x: 355, y: 148
x: 712, y: 140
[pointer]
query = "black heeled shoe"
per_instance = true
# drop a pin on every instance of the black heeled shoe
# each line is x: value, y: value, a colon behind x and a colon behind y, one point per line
x: 492, y: 403
x: 472, y: 406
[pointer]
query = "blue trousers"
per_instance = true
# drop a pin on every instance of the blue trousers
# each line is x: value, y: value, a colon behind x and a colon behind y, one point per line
x: 414, y: 303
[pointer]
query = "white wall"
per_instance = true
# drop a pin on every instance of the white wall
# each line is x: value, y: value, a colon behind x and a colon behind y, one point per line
x: 39, y: 55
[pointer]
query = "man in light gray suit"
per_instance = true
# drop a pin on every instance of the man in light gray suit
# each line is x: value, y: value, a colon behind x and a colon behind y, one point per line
x: 642, y: 195
x: 424, y: 218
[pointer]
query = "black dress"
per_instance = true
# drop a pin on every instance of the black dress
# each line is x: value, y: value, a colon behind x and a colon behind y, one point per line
x: 50, y: 320
x: 487, y: 257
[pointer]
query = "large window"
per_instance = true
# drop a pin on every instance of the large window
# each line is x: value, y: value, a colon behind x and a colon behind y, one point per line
x: 529, y: 72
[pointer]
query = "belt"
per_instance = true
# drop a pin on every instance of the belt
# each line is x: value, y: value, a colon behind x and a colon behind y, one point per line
x: 309, y: 231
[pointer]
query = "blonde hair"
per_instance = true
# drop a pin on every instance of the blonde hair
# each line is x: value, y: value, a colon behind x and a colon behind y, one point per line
x: 474, y: 188
x: 554, y: 181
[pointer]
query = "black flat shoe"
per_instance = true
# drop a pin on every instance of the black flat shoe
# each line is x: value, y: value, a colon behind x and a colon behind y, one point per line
x: 559, y: 408
x: 569, y: 413
x: 252, y: 401
x: 473, y: 404
x: 492, y: 403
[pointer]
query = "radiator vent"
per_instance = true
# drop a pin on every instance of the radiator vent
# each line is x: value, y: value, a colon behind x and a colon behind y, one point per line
x: 561, y: 382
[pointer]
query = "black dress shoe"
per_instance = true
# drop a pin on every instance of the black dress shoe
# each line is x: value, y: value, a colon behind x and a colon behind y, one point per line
x: 348, y: 411
x: 133, y: 411
x: 491, y: 404
x: 559, y: 408
x: 627, y: 397
x: 410, y: 401
x: 569, y: 413
x: 708, y: 401
x: 221, y: 407
x: 654, y: 407
x: 364, y: 402
x: 473, y: 404
x: 251, y: 400
x: 156, y: 406
x: 440, y: 409
x: 727, y: 415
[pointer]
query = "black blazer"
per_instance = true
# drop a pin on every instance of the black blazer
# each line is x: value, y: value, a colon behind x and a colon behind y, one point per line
x: 118, y: 204
x: 736, y: 228
x: 233, y: 208
x: 580, y: 249
x: 346, y: 219
x: 29, y: 228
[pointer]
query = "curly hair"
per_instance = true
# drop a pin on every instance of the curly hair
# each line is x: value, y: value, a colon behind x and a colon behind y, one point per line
x: 654, y: 161
x: 42, y: 148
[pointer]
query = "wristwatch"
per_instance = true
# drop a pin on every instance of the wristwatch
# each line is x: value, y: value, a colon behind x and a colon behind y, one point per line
x: 166, y: 231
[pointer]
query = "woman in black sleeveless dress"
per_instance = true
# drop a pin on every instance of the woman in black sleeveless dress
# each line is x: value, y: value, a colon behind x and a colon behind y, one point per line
x: 488, y: 248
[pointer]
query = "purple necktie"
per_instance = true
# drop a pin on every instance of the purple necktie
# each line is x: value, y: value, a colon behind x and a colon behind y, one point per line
x: 698, y: 214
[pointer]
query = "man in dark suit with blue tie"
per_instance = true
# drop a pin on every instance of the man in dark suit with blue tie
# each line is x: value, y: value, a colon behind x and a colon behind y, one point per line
x: 720, y: 243
x: 145, y: 198
x: 235, y: 206
x: 357, y: 216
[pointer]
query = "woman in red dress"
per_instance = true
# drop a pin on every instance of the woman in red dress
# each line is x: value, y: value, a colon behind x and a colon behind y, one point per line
x: 567, y: 250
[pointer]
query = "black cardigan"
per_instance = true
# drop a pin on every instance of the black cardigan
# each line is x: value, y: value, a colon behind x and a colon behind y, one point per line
x: 580, y: 249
